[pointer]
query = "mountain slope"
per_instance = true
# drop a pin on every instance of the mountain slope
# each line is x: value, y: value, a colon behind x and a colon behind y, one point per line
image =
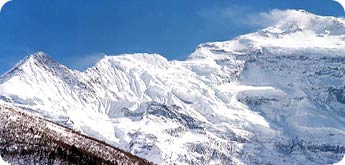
x: 27, y: 139
x: 271, y: 97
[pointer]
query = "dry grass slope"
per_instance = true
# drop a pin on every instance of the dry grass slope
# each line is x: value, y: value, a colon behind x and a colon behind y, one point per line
x: 27, y: 139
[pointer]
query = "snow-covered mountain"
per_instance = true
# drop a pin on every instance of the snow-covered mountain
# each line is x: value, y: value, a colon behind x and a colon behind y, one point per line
x: 275, y: 96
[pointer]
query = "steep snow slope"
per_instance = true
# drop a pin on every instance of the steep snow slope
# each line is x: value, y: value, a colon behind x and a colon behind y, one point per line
x: 55, y: 92
x: 274, y: 96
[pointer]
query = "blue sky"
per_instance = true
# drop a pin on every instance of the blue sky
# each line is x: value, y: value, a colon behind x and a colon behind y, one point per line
x: 78, y: 32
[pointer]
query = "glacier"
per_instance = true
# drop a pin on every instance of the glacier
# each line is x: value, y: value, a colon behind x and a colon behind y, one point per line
x: 275, y: 96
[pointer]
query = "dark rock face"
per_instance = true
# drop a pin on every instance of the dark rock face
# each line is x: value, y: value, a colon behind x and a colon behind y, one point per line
x: 339, y: 94
x: 299, y: 144
x: 171, y: 112
x: 165, y: 112
x: 26, y: 139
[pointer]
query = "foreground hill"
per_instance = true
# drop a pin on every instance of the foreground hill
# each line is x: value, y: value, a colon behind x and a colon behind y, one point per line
x: 26, y: 139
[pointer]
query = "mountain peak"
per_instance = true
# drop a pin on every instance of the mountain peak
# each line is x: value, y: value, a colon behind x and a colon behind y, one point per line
x: 291, y: 29
x: 285, y: 20
x: 40, y: 57
x: 35, y: 60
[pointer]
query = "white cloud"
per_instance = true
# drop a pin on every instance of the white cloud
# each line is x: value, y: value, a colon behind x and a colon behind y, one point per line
x: 241, y: 16
x: 86, y: 61
x: 275, y: 16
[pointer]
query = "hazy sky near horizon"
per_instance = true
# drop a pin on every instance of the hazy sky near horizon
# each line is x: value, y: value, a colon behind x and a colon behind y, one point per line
x: 77, y: 33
